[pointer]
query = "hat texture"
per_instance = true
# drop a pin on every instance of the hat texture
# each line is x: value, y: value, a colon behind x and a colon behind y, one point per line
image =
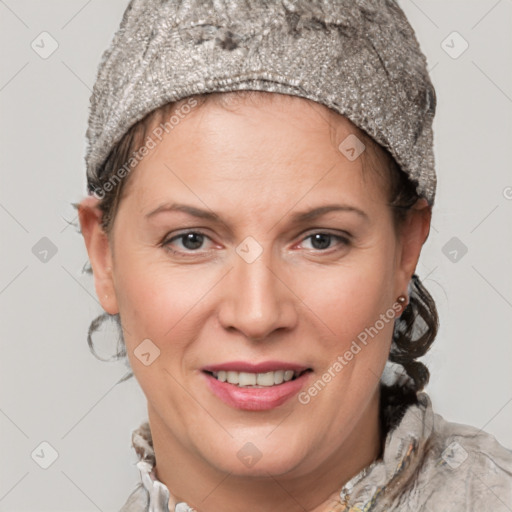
x: 360, y: 58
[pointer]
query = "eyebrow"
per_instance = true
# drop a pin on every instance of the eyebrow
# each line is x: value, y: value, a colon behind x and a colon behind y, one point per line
x: 297, y: 217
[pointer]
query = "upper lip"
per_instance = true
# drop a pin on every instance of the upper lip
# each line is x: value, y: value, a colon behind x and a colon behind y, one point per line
x: 263, y: 367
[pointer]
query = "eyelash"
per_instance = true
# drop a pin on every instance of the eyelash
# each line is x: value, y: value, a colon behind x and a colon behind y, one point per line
x: 345, y: 240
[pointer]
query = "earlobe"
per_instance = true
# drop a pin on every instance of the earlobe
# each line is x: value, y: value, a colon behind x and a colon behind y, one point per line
x: 98, y: 249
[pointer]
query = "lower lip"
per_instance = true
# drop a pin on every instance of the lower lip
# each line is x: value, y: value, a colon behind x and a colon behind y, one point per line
x: 256, y: 399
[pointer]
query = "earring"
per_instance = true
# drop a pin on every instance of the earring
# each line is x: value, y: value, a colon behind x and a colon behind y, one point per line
x: 402, y: 300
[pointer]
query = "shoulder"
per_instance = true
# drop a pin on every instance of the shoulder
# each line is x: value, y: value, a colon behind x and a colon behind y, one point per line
x: 465, y: 466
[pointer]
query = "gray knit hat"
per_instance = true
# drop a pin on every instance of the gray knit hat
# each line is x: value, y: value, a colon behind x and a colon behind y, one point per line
x: 360, y: 58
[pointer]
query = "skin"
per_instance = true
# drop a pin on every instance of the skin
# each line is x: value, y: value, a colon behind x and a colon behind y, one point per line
x: 256, y: 165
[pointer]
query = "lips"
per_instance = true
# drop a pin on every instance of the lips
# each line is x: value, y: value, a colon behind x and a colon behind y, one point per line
x: 247, y: 394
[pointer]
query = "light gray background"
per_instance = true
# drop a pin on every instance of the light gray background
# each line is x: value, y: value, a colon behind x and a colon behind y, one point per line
x: 53, y: 389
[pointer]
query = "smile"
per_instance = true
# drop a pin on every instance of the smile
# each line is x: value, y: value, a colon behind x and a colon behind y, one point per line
x: 256, y: 380
x: 256, y: 390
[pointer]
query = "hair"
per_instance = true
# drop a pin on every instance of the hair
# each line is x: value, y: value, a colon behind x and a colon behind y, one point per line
x: 416, y: 328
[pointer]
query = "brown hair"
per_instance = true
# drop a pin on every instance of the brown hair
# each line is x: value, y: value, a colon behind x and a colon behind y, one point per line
x: 416, y: 328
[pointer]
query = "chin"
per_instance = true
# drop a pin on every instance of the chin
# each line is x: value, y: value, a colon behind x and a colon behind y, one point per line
x: 258, y: 458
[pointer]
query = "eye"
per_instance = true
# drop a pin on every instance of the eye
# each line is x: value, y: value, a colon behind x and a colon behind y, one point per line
x: 191, y: 241
x: 322, y: 240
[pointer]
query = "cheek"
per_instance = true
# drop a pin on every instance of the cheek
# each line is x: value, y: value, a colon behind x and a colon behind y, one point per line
x: 159, y: 304
x: 155, y: 301
x: 352, y: 296
x: 151, y: 297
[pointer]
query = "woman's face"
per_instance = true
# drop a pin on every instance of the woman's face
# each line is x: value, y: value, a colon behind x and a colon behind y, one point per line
x: 246, y: 238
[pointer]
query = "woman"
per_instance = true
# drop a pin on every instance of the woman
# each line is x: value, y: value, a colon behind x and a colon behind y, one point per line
x: 261, y: 181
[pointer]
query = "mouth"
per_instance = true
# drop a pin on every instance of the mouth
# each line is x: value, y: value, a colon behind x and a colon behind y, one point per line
x: 256, y: 387
x: 257, y: 380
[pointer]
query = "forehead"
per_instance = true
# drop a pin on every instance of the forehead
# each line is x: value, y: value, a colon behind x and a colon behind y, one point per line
x: 296, y: 111
x: 267, y: 141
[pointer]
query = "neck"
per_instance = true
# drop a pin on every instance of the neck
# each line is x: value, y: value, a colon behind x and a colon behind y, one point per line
x: 189, y: 478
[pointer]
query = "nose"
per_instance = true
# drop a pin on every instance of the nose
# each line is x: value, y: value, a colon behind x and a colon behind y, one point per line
x: 256, y: 301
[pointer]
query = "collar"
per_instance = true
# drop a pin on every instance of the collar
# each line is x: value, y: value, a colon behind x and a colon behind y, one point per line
x: 404, y: 448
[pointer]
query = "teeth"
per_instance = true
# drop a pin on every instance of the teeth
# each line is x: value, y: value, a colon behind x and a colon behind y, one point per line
x: 288, y: 374
x: 265, y: 379
x: 279, y: 377
x: 232, y: 377
x: 246, y: 379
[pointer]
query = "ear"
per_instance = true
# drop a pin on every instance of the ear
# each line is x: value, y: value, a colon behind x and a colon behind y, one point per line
x: 412, y: 235
x: 99, y: 251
